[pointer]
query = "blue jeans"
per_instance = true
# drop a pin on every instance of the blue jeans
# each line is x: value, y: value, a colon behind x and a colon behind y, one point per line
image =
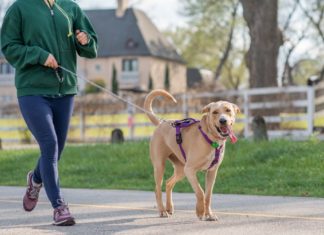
x: 48, y: 120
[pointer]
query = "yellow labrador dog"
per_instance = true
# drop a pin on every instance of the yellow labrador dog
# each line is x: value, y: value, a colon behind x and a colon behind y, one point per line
x: 191, y: 146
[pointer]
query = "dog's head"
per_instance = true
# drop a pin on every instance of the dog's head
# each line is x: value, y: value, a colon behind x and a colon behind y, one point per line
x: 220, y: 117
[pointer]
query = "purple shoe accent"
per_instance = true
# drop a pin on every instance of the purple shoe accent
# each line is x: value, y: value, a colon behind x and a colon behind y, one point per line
x: 62, y: 216
x: 31, y: 195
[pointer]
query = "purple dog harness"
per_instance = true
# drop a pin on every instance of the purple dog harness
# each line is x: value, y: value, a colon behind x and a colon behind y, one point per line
x: 188, y: 122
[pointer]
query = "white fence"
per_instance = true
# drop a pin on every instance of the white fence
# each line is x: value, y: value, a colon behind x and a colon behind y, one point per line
x: 248, y: 105
x: 301, y: 105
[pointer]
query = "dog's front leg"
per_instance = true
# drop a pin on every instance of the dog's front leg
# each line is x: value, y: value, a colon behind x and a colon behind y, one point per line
x: 192, y: 178
x: 209, y: 185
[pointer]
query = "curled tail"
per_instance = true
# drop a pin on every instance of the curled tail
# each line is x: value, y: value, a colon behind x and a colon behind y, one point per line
x: 149, y: 100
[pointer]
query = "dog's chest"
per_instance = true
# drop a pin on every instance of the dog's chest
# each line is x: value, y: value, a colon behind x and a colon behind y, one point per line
x: 210, y: 158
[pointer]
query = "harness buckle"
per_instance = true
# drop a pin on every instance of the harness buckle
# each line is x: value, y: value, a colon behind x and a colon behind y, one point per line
x: 179, y: 138
x: 181, y: 123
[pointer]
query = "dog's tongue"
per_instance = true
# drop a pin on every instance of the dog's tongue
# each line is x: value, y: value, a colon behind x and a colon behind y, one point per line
x: 232, y: 136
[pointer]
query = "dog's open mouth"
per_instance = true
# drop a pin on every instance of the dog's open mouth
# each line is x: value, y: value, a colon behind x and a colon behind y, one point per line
x: 223, y: 131
x: 226, y: 131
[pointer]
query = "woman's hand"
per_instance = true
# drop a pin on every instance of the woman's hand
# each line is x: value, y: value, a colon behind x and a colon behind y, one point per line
x: 82, y: 37
x: 51, y: 62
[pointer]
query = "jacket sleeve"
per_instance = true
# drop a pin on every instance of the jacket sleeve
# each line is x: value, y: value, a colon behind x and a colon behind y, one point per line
x: 15, y: 51
x: 83, y: 24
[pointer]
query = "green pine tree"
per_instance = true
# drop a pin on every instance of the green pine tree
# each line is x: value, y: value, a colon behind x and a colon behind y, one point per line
x: 114, y: 85
x: 167, y: 78
x: 150, y: 83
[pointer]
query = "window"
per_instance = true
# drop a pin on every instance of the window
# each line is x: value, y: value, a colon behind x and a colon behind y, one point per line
x: 130, y: 65
x: 98, y: 67
x: 6, y: 98
x: 6, y: 68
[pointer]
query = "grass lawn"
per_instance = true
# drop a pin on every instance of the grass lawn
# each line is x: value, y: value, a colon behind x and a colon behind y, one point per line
x: 277, y: 167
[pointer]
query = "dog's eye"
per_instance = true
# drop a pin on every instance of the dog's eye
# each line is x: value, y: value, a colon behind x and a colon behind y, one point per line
x: 228, y: 110
x: 215, y: 112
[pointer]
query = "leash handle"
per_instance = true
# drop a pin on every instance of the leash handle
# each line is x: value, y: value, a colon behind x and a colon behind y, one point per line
x: 59, y: 74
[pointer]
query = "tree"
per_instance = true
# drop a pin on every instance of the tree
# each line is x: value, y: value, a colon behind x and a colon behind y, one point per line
x: 167, y: 78
x: 315, y: 13
x: 228, y: 44
x: 150, y: 85
x: 208, y: 42
x: 303, y: 69
x: 216, y: 31
x: 262, y: 19
x: 300, y: 22
x: 235, y: 73
x: 290, y: 44
x: 90, y: 89
x: 114, y: 81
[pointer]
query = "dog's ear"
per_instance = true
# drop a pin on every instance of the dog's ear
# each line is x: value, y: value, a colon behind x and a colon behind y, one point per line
x: 236, y: 109
x: 206, y: 109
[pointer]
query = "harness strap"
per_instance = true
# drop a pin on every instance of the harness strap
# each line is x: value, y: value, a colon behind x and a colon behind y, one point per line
x: 213, y: 144
x: 179, y: 142
x: 182, y: 124
x: 188, y: 122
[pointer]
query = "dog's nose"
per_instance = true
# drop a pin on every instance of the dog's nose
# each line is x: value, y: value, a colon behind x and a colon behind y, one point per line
x: 223, y: 121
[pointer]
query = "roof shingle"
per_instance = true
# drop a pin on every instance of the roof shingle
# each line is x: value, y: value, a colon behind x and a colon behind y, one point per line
x: 134, y: 34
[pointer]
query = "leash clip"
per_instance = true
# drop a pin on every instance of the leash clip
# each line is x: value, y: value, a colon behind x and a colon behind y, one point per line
x: 59, y: 74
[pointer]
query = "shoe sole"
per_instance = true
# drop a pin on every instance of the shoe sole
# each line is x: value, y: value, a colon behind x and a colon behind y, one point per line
x: 27, y: 209
x: 67, y: 222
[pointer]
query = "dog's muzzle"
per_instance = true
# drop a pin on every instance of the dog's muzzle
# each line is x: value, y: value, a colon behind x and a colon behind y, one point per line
x: 224, y: 131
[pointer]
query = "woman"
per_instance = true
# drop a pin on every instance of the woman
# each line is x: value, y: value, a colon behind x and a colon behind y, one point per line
x: 36, y: 38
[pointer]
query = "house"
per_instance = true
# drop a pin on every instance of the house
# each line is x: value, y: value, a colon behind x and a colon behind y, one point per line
x: 130, y: 44
x: 7, y: 86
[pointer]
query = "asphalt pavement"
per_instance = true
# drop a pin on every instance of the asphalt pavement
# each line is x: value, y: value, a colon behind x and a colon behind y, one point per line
x: 134, y: 212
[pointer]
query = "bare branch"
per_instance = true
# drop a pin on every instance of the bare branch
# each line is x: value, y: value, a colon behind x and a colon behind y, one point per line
x: 291, y: 15
x: 286, y: 74
x: 229, y: 43
x: 317, y: 24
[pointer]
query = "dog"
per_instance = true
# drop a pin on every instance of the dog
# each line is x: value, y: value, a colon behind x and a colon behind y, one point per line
x: 198, y: 155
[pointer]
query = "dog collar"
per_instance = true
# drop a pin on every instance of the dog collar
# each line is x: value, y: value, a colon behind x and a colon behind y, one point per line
x: 214, y: 144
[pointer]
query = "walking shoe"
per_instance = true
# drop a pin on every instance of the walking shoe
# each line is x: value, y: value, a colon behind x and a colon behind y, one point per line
x: 32, y: 193
x: 62, y: 216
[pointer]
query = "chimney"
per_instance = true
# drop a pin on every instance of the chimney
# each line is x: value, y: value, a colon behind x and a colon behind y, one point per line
x: 122, y: 7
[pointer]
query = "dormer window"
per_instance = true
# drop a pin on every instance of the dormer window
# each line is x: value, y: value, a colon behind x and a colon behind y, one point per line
x: 131, y: 44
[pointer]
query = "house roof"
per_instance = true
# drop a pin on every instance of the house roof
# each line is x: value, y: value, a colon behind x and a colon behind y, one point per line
x: 134, y: 34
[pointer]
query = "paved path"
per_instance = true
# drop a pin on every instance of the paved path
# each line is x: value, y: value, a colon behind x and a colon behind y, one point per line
x: 133, y: 212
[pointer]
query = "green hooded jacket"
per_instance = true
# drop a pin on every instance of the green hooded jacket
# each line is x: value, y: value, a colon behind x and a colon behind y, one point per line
x: 31, y: 31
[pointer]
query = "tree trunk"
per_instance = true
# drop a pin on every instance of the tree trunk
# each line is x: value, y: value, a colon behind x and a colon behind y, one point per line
x: 266, y: 38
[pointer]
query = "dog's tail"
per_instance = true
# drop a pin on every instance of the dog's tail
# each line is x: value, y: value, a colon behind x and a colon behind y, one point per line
x: 149, y: 100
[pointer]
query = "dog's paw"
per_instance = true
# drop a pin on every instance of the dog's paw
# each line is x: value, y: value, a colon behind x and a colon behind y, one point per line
x: 170, y: 212
x: 164, y: 214
x: 200, y: 213
x: 211, y: 217
x: 200, y: 209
